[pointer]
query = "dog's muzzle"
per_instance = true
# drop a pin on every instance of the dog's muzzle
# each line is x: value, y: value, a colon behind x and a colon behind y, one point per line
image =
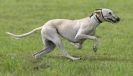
x: 113, y: 20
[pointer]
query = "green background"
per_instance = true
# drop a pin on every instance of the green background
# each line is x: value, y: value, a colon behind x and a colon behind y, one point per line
x: 113, y: 58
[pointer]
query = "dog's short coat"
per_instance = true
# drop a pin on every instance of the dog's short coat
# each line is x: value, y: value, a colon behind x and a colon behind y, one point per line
x: 75, y: 31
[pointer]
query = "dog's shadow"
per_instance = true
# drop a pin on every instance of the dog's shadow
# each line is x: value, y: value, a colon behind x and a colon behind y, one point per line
x: 101, y: 58
x: 97, y: 58
x: 106, y: 58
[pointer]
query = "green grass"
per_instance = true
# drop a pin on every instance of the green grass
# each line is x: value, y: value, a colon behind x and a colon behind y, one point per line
x: 115, y: 54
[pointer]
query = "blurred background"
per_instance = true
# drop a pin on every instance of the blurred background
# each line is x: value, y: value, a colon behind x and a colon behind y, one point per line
x: 114, y: 57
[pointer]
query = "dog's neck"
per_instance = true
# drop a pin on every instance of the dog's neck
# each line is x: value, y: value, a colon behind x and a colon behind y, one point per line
x: 95, y: 19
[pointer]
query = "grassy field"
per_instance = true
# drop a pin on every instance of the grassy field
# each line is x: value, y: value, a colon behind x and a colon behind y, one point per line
x: 115, y: 54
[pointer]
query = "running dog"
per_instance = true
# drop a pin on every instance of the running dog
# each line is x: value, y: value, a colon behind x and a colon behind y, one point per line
x: 75, y: 31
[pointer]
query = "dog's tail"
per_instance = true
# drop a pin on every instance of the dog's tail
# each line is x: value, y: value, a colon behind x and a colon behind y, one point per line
x: 25, y: 34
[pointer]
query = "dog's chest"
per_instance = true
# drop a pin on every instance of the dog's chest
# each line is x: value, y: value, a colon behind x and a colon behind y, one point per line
x: 90, y: 31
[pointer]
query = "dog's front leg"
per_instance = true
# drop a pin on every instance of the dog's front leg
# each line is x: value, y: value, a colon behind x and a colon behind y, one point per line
x: 95, y: 40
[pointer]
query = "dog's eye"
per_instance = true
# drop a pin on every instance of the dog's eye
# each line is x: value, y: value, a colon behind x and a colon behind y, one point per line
x: 110, y: 13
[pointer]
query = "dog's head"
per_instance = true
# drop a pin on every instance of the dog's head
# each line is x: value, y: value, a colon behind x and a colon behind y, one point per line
x: 105, y: 14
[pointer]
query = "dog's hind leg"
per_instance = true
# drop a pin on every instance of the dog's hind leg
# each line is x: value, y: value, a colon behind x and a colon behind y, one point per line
x: 52, y: 35
x: 49, y: 46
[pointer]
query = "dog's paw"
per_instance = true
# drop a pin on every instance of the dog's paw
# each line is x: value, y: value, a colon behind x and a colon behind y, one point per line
x: 94, y: 49
x: 75, y: 59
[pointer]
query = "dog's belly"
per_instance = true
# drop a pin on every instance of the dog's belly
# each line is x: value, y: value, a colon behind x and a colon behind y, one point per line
x: 69, y: 35
x: 71, y: 39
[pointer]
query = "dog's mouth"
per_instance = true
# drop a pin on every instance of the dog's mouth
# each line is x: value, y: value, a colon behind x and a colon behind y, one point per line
x: 116, y: 20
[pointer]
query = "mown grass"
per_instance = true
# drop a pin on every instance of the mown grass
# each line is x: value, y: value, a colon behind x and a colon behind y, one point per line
x: 114, y: 57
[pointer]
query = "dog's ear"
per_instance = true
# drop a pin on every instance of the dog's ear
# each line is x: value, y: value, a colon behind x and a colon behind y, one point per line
x: 98, y: 12
x: 99, y: 9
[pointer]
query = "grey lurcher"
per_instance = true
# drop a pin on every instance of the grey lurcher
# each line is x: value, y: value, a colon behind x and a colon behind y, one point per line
x: 75, y: 31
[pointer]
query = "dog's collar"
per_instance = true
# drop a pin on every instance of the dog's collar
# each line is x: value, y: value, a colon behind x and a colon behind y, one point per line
x: 99, y: 21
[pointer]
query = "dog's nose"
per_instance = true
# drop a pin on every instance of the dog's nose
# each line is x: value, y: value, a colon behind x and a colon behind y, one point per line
x: 117, y: 19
